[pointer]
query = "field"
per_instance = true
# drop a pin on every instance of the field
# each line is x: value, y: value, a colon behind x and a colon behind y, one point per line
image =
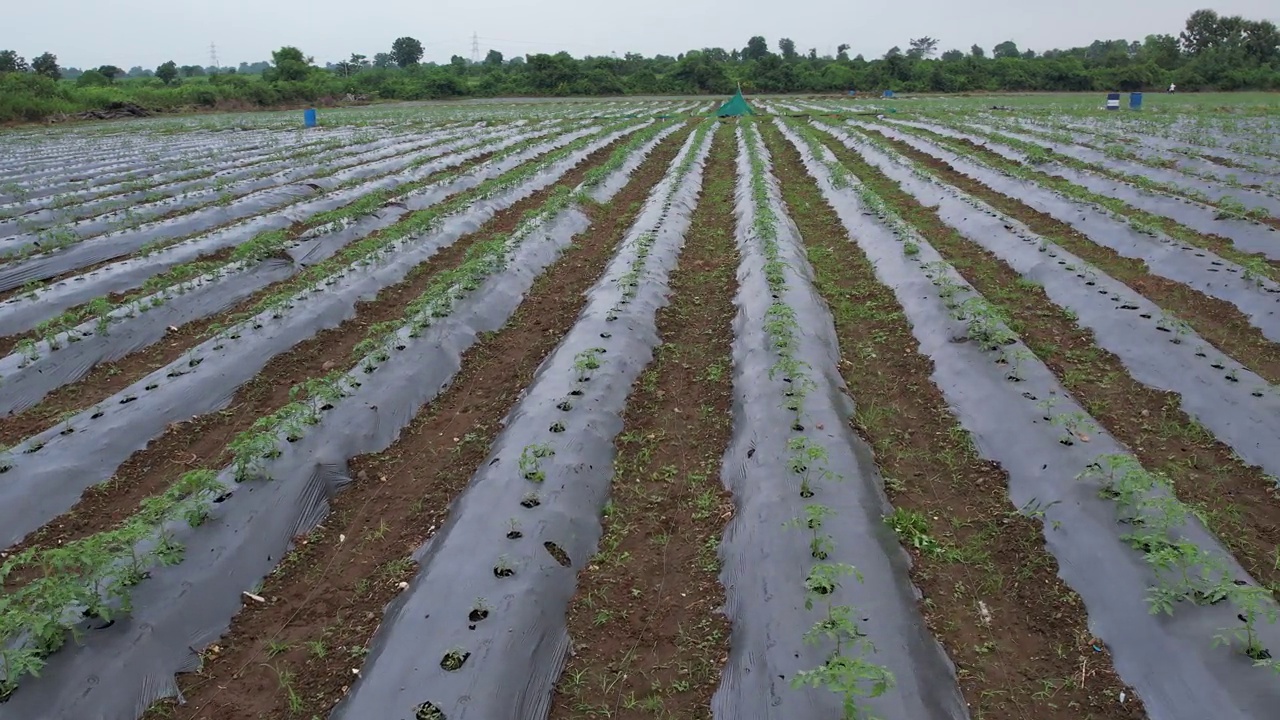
x: 908, y: 409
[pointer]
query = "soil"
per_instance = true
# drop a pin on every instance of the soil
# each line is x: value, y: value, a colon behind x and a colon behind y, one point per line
x: 1217, y: 321
x: 645, y: 619
x: 991, y: 593
x: 201, y: 441
x: 1236, y: 501
x: 1219, y: 160
x: 326, y: 600
x: 106, y: 379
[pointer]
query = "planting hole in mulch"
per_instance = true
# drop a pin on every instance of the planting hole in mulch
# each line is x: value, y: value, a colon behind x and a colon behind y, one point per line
x: 454, y: 660
x: 558, y: 553
x: 428, y: 711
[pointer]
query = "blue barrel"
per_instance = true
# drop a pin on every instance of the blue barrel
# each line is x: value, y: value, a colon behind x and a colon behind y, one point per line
x: 309, y: 117
x: 1113, y: 101
x: 1135, y: 101
x: 888, y: 93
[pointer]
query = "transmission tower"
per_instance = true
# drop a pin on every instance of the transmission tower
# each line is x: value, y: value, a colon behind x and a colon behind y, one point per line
x: 213, y: 55
x: 475, y: 48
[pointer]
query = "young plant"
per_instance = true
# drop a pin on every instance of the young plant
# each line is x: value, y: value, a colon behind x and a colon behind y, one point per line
x: 846, y: 672
x: 530, y: 462
x: 820, y: 544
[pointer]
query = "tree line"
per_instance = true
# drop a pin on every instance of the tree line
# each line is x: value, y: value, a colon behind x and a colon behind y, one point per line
x: 1213, y: 52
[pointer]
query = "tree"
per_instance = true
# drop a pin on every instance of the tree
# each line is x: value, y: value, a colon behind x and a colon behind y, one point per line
x: 290, y: 64
x: 493, y: 59
x: 92, y: 78
x: 1161, y: 50
x: 923, y: 47
x: 47, y: 65
x: 191, y: 71
x: 406, y: 51
x: 383, y: 60
x: 110, y: 72
x: 1006, y: 49
x: 952, y: 56
x: 11, y: 61
x: 757, y: 49
x: 1262, y: 41
x: 842, y: 52
x: 360, y: 61
x: 1203, y: 31
x: 977, y: 52
x: 813, y: 53
x: 167, y: 72
x: 787, y: 47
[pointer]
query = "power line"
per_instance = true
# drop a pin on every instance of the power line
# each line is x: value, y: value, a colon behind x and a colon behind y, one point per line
x: 213, y: 54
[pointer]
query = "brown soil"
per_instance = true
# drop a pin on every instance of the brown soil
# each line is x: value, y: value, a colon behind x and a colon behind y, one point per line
x: 1217, y: 321
x: 1219, y: 160
x: 326, y: 599
x: 645, y: 621
x: 201, y: 442
x: 106, y: 379
x: 991, y: 592
x: 1237, y: 501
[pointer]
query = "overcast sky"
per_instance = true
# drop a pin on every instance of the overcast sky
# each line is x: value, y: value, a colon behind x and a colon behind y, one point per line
x: 88, y: 33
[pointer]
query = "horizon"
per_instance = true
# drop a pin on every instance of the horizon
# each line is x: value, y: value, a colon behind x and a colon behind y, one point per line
x: 73, y: 30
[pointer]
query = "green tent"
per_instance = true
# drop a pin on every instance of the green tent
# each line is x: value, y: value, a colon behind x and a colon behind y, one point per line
x: 737, y: 105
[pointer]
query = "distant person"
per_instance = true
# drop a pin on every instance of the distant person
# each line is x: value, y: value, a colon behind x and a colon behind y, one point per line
x: 1172, y: 88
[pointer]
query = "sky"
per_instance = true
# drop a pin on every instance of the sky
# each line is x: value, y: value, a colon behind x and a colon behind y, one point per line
x: 88, y: 33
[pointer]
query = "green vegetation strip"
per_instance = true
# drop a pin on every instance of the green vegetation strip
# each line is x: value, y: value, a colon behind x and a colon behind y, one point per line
x: 1119, y: 147
x: 992, y: 595
x: 1217, y: 321
x: 1228, y: 208
x: 180, y: 279
x: 1254, y: 265
x: 96, y: 571
x: 256, y: 249
x: 60, y: 236
x: 143, y: 183
x: 846, y: 671
x: 1234, y: 501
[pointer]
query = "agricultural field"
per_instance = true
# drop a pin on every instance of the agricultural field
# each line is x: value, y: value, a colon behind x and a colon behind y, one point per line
x: 910, y: 409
